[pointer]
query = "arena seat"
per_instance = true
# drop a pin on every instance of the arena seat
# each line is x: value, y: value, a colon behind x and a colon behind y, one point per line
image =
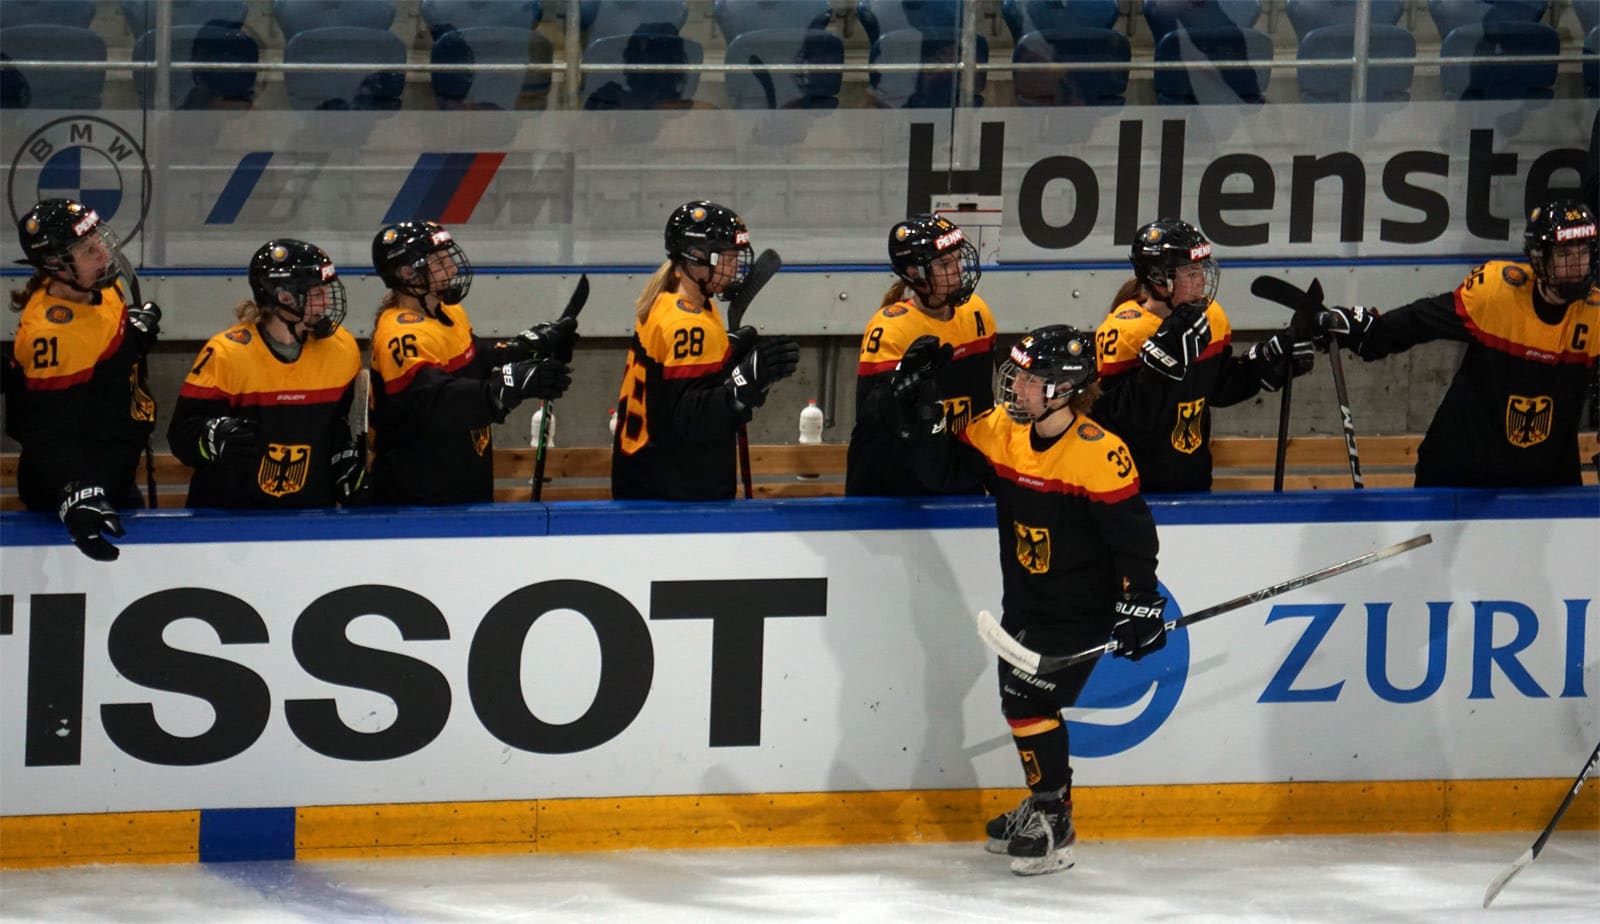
x: 77, y: 13
x: 443, y: 16
x: 1166, y: 16
x: 1386, y: 83
x: 606, y: 18
x: 1071, y: 88
x: 810, y: 89
x: 225, y: 14
x: 1024, y: 16
x: 199, y: 89
x: 881, y: 17
x: 489, y: 45
x: 736, y: 17
x: 310, y: 89
x: 1468, y: 80
x: 1207, y: 83
x: 34, y: 88
x: 296, y: 16
x: 641, y: 89
x: 1307, y: 16
x: 1450, y: 15
x: 921, y: 89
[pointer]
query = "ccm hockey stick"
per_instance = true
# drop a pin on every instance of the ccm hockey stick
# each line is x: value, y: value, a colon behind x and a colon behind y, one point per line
x: 580, y: 295
x: 1532, y: 853
x: 1001, y: 643
x: 761, y: 272
x: 1284, y: 293
x: 135, y: 299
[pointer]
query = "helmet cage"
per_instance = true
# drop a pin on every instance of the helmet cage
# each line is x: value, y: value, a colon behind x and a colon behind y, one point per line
x: 1161, y: 248
x: 1060, y: 358
x: 917, y: 243
x: 401, y: 254
x: 1559, y: 225
x: 297, y: 269
x: 56, y: 231
x: 701, y: 232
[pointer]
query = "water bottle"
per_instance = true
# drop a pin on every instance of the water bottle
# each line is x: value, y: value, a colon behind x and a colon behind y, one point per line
x: 810, y: 431
x: 612, y: 423
x: 550, y: 435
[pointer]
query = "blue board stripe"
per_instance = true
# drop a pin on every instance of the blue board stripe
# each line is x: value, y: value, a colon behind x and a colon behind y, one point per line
x: 240, y: 185
x: 229, y: 835
x: 409, y: 198
x: 452, y: 170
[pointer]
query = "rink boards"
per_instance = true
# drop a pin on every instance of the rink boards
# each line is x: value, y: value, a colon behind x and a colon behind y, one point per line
x: 599, y: 676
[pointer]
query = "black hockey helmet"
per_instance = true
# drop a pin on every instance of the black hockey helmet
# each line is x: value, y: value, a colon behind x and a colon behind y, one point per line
x: 1057, y: 356
x: 914, y: 245
x: 400, y: 254
x: 1166, y: 245
x: 53, y: 233
x: 284, y: 272
x: 1559, y: 224
x: 701, y: 231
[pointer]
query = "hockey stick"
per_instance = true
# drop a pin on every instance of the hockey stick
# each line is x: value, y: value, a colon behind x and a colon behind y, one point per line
x: 1532, y: 853
x: 580, y: 295
x: 765, y: 267
x: 1283, y: 435
x: 1001, y: 643
x: 1285, y: 293
x: 131, y: 279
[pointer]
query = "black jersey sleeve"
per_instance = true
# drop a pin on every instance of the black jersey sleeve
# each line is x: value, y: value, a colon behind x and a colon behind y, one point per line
x: 947, y: 464
x: 1432, y: 318
x: 189, y: 416
x: 1130, y: 532
x: 1238, y: 378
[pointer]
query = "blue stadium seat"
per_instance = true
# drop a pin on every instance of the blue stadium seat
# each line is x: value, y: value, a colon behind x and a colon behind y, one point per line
x: 925, y: 89
x: 1588, y: 12
x: 605, y: 18
x: 1208, y: 84
x: 1386, y: 83
x: 378, y: 89
x: 201, y: 89
x: 1491, y: 80
x: 1591, y: 69
x: 225, y: 14
x: 26, y: 88
x: 811, y: 89
x: 1081, y: 88
x: 1024, y: 16
x: 1166, y: 15
x: 1308, y: 15
x: 1450, y: 15
x: 296, y: 16
x: 489, y: 45
x: 880, y: 17
x: 444, y: 16
x: 77, y: 13
x: 642, y: 89
x: 736, y: 17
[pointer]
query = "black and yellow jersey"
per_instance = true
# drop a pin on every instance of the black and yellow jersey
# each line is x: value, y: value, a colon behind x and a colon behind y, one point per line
x: 302, y: 408
x: 81, y: 412
x: 1167, y: 424
x: 676, y: 425
x: 1510, y: 416
x: 1074, y: 530
x: 432, y: 413
x: 877, y: 460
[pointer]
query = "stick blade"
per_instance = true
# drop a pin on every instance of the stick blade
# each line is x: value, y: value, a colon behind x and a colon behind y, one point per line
x: 999, y: 641
x: 761, y: 272
x: 1505, y: 876
x: 1285, y: 293
x: 580, y: 297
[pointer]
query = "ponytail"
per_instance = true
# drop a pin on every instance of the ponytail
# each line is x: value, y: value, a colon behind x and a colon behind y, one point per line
x: 1131, y: 291
x: 664, y: 280
x: 21, y: 297
x: 897, y: 292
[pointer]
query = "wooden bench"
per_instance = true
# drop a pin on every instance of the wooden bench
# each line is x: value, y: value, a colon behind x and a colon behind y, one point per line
x: 817, y: 470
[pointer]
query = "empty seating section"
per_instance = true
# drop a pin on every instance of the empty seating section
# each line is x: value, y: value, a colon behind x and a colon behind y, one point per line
x: 855, y: 53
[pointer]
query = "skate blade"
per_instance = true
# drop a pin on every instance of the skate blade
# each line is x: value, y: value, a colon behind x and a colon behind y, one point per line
x: 1053, y: 862
x: 996, y: 845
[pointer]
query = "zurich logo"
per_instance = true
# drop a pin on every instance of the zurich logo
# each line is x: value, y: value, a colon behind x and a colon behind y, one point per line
x: 1124, y: 703
x: 86, y: 158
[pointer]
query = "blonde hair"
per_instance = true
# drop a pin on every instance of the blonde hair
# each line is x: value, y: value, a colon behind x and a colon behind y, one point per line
x: 390, y: 300
x: 896, y: 293
x: 1131, y: 291
x: 248, y: 312
x: 20, y: 297
x: 664, y: 280
x: 1085, y: 398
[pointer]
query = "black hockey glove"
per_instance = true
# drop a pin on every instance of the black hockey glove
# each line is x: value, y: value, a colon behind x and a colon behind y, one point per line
x: 1141, y: 627
x: 741, y: 342
x: 772, y: 359
x: 86, y: 514
x: 145, y: 325
x: 230, y: 440
x: 1350, y: 326
x: 546, y: 380
x: 1281, y: 357
x: 546, y: 340
x: 909, y: 406
x: 350, y: 485
x: 1179, y: 341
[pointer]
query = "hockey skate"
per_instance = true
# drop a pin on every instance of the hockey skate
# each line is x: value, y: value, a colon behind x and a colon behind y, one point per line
x: 1002, y: 828
x: 1044, y: 843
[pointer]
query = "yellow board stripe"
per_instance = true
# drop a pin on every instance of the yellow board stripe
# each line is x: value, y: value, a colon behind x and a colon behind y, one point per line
x: 817, y: 819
